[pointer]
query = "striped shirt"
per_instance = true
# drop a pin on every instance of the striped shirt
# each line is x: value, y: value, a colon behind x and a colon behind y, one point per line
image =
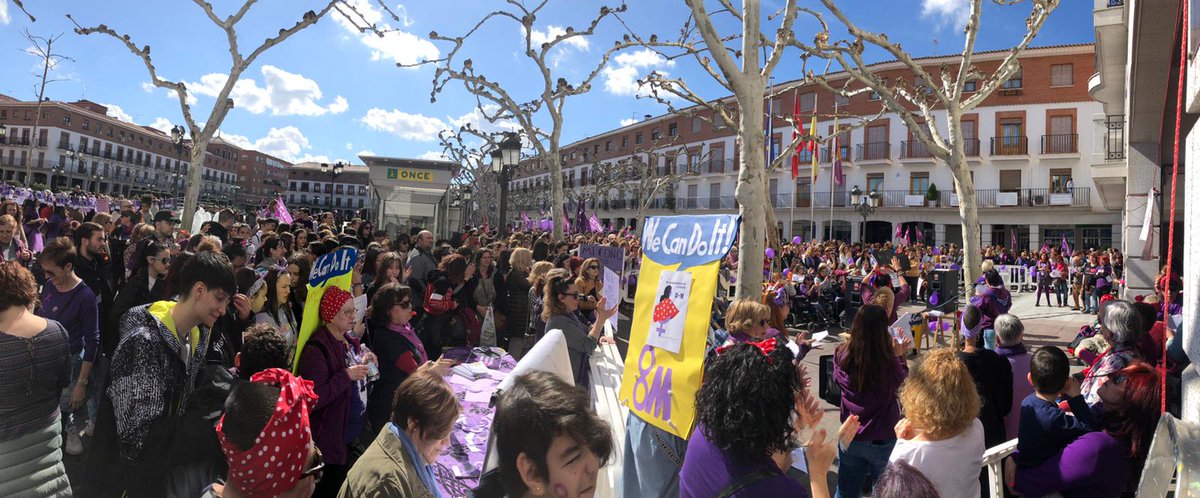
x: 33, y: 373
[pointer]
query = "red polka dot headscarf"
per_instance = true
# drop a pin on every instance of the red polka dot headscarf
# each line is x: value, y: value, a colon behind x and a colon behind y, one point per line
x: 274, y: 464
x: 332, y: 302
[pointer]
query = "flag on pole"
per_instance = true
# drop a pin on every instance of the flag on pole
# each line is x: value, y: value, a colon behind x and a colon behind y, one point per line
x: 812, y: 145
x: 897, y: 232
x: 838, y: 178
x: 921, y: 236
x: 770, y: 152
x: 1013, y: 238
x: 1045, y: 247
x: 566, y: 222
x: 581, y: 220
x: 281, y: 211
x: 594, y: 224
x: 797, y: 130
x: 1066, y: 249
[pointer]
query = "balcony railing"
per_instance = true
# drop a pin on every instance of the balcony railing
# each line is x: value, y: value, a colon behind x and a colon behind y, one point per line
x: 873, y: 151
x: 826, y: 152
x: 1114, y: 139
x: 1010, y: 146
x: 971, y: 147
x: 914, y: 149
x: 1060, y: 144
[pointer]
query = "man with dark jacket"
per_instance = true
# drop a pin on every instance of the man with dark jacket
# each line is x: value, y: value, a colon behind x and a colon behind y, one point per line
x: 152, y: 375
x: 220, y: 229
x: 91, y: 266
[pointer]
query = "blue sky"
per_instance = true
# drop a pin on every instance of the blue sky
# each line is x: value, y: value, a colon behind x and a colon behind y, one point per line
x: 329, y: 93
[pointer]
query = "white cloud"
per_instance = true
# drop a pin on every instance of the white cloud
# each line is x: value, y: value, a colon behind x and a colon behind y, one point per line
x: 4, y: 19
x: 284, y: 93
x: 628, y: 121
x: 433, y: 155
x: 399, y: 46
x: 621, y: 75
x: 149, y: 87
x: 364, y: 152
x: 287, y: 143
x: 947, y: 11
x: 162, y: 124
x: 404, y: 125
x: 478, y: 121
x: 538, y: 37
x: 115, y: 111
x: 349, y: 146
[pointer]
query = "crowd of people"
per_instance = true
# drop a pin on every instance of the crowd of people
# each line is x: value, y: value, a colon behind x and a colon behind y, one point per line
x: 168, y: 363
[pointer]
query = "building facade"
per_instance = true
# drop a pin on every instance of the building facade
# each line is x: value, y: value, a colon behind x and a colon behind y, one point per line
x: 347, y: 194
x: 1033, y: 145
x: 263, y: 178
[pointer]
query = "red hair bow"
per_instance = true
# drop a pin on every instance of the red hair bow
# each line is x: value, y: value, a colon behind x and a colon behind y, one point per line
x: 764, y: 346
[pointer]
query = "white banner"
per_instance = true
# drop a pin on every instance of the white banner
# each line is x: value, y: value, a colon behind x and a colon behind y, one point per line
x: 1149, y: 216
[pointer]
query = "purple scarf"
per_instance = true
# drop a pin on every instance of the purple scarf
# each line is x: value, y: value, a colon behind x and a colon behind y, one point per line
x: 407, y: 331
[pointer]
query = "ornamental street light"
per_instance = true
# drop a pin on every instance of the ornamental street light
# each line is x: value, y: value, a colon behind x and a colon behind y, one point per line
x: 505, y: 157
x: 865, y: 205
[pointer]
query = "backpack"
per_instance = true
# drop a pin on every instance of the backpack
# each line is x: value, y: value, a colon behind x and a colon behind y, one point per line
x: 439, y: 294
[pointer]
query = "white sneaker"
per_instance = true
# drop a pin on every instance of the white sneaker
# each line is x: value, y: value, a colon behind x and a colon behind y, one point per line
x: 89, y: 429
x: 74, y: 444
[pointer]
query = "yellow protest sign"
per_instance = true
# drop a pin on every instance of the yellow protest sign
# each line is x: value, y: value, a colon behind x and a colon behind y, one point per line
x: 672, y: 308
x: 330, y: 270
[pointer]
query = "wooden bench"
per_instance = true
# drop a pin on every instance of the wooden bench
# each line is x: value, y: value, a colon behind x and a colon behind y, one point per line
x: 607, y: 368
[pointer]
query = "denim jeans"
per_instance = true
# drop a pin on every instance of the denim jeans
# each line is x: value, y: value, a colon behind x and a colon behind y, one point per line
x: 652, y: 460
x: 1060, y: 292
x: 860, y: 461
x: 78, y: 418
x: 1091, y: 302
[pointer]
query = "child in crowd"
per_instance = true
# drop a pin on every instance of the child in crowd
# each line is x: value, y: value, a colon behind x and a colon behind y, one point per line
x: 1045, y: 429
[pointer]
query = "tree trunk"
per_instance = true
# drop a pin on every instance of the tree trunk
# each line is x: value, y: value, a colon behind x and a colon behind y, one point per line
x: 191, y: 200
x: 556, y: 194
x: 969, y: 211
x: 750, y: 192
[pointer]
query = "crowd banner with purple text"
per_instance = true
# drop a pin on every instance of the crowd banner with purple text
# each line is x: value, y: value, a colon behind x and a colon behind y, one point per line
x: 333, y: 269
x: 672, y: 308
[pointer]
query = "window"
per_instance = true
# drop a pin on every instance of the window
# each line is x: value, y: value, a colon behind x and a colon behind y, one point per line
x: 969, y: 87
x: 67, y: 119
x: 607, y: 145
x: 922, y: 86
x: 808, y: 101
x: 64, y: 140
x: 696, y: 122
x: 841, y: 100
x: 673, y: 130
x: 1010, y: 180
x: 874, y: 182
x: 624, y: 142
x: 918, y: 183
x: 714, y: 196
x: 637, y: 138
x: 873, y: 96
x: 596, y: 150
x: 654, y: 134
x: 1097, y: 237
x: 1014, y: 82
x: 1062, y: 75
x: 803, y: 191
x: 1060, y: 181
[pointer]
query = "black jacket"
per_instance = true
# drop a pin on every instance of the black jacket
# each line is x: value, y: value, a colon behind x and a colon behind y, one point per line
x: 95, y: 273
x: 137, y: 292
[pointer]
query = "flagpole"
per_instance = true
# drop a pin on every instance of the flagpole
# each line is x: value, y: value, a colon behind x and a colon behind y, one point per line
x: 834, y: 155
x: 812, y: 185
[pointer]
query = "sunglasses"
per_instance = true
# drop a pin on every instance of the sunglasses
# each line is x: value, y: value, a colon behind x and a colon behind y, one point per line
x: 763, y: 322
x: 571, y: 294
x: 164, y: 260
x: 317, y: 468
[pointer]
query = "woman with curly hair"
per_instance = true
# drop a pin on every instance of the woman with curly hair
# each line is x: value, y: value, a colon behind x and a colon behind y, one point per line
x: 746, y: 430
x: 869, y: 369
x: 942, y: 436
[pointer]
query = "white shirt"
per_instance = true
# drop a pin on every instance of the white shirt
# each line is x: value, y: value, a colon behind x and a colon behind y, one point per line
x: 952, y: 465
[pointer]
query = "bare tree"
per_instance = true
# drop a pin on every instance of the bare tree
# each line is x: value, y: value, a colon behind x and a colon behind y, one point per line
x: 468, y: 147
x: 540, y: 118
x: 240, y: 61
x: 42, y: 48
x: 941, y: 89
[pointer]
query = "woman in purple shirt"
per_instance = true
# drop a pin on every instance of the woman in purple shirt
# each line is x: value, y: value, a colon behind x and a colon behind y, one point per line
x: 69, y: 301
x: 869, y: 369
x: 746, y: 432
x: 1104, y: 463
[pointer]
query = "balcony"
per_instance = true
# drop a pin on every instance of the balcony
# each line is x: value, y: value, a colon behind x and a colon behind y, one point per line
x: 874, y: 151
x: 826, y: 153
x: 971, y: 147
x: 781, y: 200
x: 1060, y: 144
x: 1015, y: 147
x: 725, y: 202
x: 914, y: 149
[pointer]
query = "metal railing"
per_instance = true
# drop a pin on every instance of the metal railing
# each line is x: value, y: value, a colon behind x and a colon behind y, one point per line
x: 1010, y: 146
x: 1060, y: 144
x: 873, y: 151
x: 1114, y: 137
x: 826, y: 153
x: 914, y: 149
x: 971, y: 147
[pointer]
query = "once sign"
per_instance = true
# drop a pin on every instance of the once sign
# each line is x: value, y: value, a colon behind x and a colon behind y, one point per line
x: 409, y: 175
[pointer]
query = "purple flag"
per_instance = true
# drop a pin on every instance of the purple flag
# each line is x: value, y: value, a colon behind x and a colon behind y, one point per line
x: 921, y: 236
x: 594, y: 224
x: 1066, y: 249
x: 1045, y: 247
x: 1013, y: 238
x: 281, y: 212
x: 897, y: 232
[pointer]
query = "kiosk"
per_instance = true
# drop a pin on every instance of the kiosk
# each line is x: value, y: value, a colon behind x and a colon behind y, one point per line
x: 411, y: 193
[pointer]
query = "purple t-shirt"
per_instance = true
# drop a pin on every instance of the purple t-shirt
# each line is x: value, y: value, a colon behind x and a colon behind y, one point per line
x: 877, y: 407
x: 77, y: 311
x: 1095, y: 466
x: 707, y: 471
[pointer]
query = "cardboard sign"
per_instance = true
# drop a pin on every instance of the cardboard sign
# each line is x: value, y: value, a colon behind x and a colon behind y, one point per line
x: 684, y: 253
x: 331, y: 270
x: 612, y: 260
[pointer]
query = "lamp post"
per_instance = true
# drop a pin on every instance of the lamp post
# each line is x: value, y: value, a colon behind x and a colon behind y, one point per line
x: 865, y: 205
x: 333, y: 172
x: 467, y: 197
x: 177, y: 137
x: 505, y: 156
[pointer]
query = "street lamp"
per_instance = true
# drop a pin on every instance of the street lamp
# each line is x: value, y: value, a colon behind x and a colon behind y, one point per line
x: 865, y: 205
x: 505, y: 157
x: 333, y: 172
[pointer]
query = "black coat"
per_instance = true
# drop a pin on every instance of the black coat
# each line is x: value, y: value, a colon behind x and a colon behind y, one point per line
x: 137, y: 292
x: 95, y: 273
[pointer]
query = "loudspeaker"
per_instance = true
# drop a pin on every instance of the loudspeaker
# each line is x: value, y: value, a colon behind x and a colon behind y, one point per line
x: 853, y: 298
x: 943, y: 283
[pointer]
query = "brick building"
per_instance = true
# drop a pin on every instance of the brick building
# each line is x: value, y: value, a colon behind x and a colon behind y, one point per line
x: 346, y: 195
